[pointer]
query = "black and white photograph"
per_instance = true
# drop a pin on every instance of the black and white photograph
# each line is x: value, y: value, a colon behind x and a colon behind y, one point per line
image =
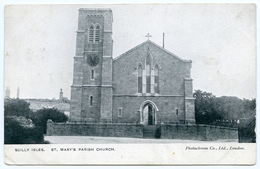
x: 112, y: 80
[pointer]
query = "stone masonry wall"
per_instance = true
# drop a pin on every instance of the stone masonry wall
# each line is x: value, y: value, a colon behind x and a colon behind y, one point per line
x: 104, y: 130
x: 185, y: 132
x: 130, y: 105
x: 172, y: 70
x: 198, y: 132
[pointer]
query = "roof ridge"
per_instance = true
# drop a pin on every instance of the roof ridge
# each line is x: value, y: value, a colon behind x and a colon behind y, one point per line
x: 149, y: 41
x: 170, y: 52
x: 130, y: 50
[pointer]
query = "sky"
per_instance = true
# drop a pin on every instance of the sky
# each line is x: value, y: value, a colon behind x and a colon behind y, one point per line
x: 220, y: 39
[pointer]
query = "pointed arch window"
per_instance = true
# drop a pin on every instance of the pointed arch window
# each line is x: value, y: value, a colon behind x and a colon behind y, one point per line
x: 140, y: 79
x: 97, y: 33
x: 148, y: 73
x: 91, y: 34
x: 156, y: 79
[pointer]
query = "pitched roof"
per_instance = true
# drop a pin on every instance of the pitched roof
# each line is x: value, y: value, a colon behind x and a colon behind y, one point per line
x: 151, y: 42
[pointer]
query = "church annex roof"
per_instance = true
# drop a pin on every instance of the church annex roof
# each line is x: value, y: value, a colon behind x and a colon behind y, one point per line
x: 151, y: 42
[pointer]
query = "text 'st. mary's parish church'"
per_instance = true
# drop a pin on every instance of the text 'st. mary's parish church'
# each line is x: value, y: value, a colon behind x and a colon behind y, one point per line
x: 147, y: 84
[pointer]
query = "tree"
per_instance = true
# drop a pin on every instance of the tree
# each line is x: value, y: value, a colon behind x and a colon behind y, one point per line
x: 250, y: 107
x: 41, y: 116
x: 231, y: 108
x: 209, y: 109
x: 225, y: 111
x: 16, y: 107
x: 204, y: 103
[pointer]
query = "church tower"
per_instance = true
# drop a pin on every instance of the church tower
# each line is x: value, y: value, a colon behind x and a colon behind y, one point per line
x: 91, y: 91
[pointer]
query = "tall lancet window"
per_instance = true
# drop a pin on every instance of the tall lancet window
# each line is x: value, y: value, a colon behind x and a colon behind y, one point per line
x: 91, y: 101
x: 91, y: 34
x: 148, y: 74
x: 140, y: 79
x: 97, y: 33
x: 156, y: 79
x: 92, y: 74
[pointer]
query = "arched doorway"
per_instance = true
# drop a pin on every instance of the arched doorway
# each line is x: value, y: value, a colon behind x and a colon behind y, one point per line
x: 148, y: 113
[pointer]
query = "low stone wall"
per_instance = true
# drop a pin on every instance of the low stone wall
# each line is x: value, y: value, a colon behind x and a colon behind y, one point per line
x: 166, y: 131
x: 104, y: 130
x: 198, y: 132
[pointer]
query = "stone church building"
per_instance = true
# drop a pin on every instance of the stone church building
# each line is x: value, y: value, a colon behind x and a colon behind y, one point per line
x: 146, y: 85
x: 144, y: 93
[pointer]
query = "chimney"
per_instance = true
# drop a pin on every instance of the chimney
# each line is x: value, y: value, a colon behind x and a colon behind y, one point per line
x: 61, y: 95
x: 18, y: 93
x: 163, y: 41
x: 7, y: 92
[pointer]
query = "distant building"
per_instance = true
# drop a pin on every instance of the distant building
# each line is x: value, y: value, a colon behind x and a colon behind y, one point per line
x: 37, y: 104
x: 62, y: 104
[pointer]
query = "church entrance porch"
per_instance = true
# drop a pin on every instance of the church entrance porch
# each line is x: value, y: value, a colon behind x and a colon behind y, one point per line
x: 148, y: 115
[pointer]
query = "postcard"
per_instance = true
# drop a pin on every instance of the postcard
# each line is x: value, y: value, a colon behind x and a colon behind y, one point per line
x: 132, y: 84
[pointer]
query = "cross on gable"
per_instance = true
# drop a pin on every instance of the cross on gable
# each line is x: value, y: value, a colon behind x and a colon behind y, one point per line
x: 148, y: 36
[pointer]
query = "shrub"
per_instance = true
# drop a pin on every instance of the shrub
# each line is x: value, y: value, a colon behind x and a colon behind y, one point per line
x: 16, y: 107
x: 40, y: 117
x: 14, y: 133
